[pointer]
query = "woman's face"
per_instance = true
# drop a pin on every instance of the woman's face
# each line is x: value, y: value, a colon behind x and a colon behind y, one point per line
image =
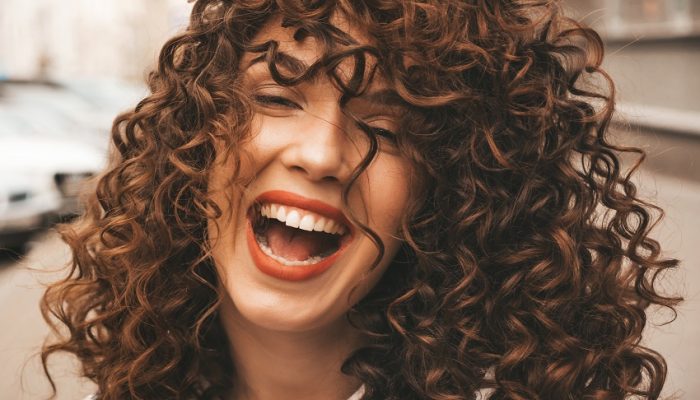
x: 286, y: 253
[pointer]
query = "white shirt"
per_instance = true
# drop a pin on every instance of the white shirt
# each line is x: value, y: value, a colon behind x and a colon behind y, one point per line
x: 358, y: 394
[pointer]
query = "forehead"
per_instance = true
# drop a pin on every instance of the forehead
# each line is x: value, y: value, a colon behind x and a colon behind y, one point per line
x: 297, y: 47
x: 307, y: 50
x: 276, y: 29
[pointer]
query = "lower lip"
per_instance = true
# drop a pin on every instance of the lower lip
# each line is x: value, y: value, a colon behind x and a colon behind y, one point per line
x: 274, y: 268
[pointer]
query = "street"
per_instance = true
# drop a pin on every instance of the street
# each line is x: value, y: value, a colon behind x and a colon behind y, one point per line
x: 23, y: 329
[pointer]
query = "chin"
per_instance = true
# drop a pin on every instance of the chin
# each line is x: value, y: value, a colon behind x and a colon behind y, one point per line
x: 275, y: 311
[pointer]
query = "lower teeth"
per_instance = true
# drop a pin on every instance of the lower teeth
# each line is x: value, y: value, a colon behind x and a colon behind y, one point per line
x: 262, y: 243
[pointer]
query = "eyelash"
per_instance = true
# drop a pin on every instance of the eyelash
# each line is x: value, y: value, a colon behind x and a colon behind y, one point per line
x: 385, y: 133
x: 278, y: 101
x: 381, y: 132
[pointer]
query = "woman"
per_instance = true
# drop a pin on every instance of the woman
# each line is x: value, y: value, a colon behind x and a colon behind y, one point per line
x: 378, y: 199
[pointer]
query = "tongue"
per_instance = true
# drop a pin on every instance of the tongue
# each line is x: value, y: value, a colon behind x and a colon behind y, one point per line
x: 296, y: 244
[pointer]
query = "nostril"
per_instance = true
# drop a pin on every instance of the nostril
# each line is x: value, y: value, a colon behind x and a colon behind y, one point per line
x: 312, y: 173
x: 330, y: 178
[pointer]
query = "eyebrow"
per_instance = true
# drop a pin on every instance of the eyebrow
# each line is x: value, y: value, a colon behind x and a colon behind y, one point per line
x: 286, y: 61
x: 386, y: 97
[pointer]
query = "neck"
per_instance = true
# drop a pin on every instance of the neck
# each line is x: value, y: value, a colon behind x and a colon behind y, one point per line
x: 290, y: 365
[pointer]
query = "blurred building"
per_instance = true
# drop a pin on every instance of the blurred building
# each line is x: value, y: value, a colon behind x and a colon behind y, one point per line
x: 117, y: 39
x: 653, y: 48
x: 653, y: 53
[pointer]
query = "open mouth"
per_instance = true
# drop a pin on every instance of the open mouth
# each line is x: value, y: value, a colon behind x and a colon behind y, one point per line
x: 293, y: 243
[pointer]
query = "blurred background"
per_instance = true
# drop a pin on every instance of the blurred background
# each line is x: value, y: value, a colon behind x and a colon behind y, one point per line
x: 68, y: 68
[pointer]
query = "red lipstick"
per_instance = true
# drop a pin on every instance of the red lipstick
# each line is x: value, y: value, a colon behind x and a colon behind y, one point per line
x: 274, y: 268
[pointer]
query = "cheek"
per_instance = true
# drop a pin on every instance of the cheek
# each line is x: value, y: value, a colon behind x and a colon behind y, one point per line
x: 388, y: 194
x: 371, y: 277
x: 226, y: 193
x: 222, y: 238
x: 269, y: 134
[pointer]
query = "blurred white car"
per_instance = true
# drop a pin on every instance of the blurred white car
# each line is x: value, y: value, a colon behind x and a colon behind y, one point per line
x: 81, y: 109
x: 41, y: 175
x: 26, y: 204
x: 61, y: 165
x: 53, y: 138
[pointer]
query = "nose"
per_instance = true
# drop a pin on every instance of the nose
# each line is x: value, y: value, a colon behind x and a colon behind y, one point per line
x: 321, y: 149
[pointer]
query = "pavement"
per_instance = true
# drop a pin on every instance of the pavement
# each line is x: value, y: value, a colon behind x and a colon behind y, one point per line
x: 23, y: 330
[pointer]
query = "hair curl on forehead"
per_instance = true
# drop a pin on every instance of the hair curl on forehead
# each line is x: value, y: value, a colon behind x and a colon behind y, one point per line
x: 528, y: 263
x: 355, y: 85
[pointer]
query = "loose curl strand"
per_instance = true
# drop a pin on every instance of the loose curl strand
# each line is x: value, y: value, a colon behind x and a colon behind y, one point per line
x: 527, y: 265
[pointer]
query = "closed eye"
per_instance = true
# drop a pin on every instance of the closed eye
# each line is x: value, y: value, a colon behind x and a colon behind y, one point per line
x: 378, y: 131
x: 385, y: 133
x: 275, y: 101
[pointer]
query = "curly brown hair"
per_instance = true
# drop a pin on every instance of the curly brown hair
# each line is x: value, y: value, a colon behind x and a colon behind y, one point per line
x: 527, y: 265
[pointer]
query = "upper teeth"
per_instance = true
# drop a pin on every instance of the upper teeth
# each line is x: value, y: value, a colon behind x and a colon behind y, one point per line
x: 302, y: 219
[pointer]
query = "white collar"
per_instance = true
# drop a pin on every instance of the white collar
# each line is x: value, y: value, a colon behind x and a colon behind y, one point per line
x: 358, y: 394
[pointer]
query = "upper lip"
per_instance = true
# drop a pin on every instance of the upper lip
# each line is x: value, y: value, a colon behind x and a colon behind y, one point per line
x: 283, y: 197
